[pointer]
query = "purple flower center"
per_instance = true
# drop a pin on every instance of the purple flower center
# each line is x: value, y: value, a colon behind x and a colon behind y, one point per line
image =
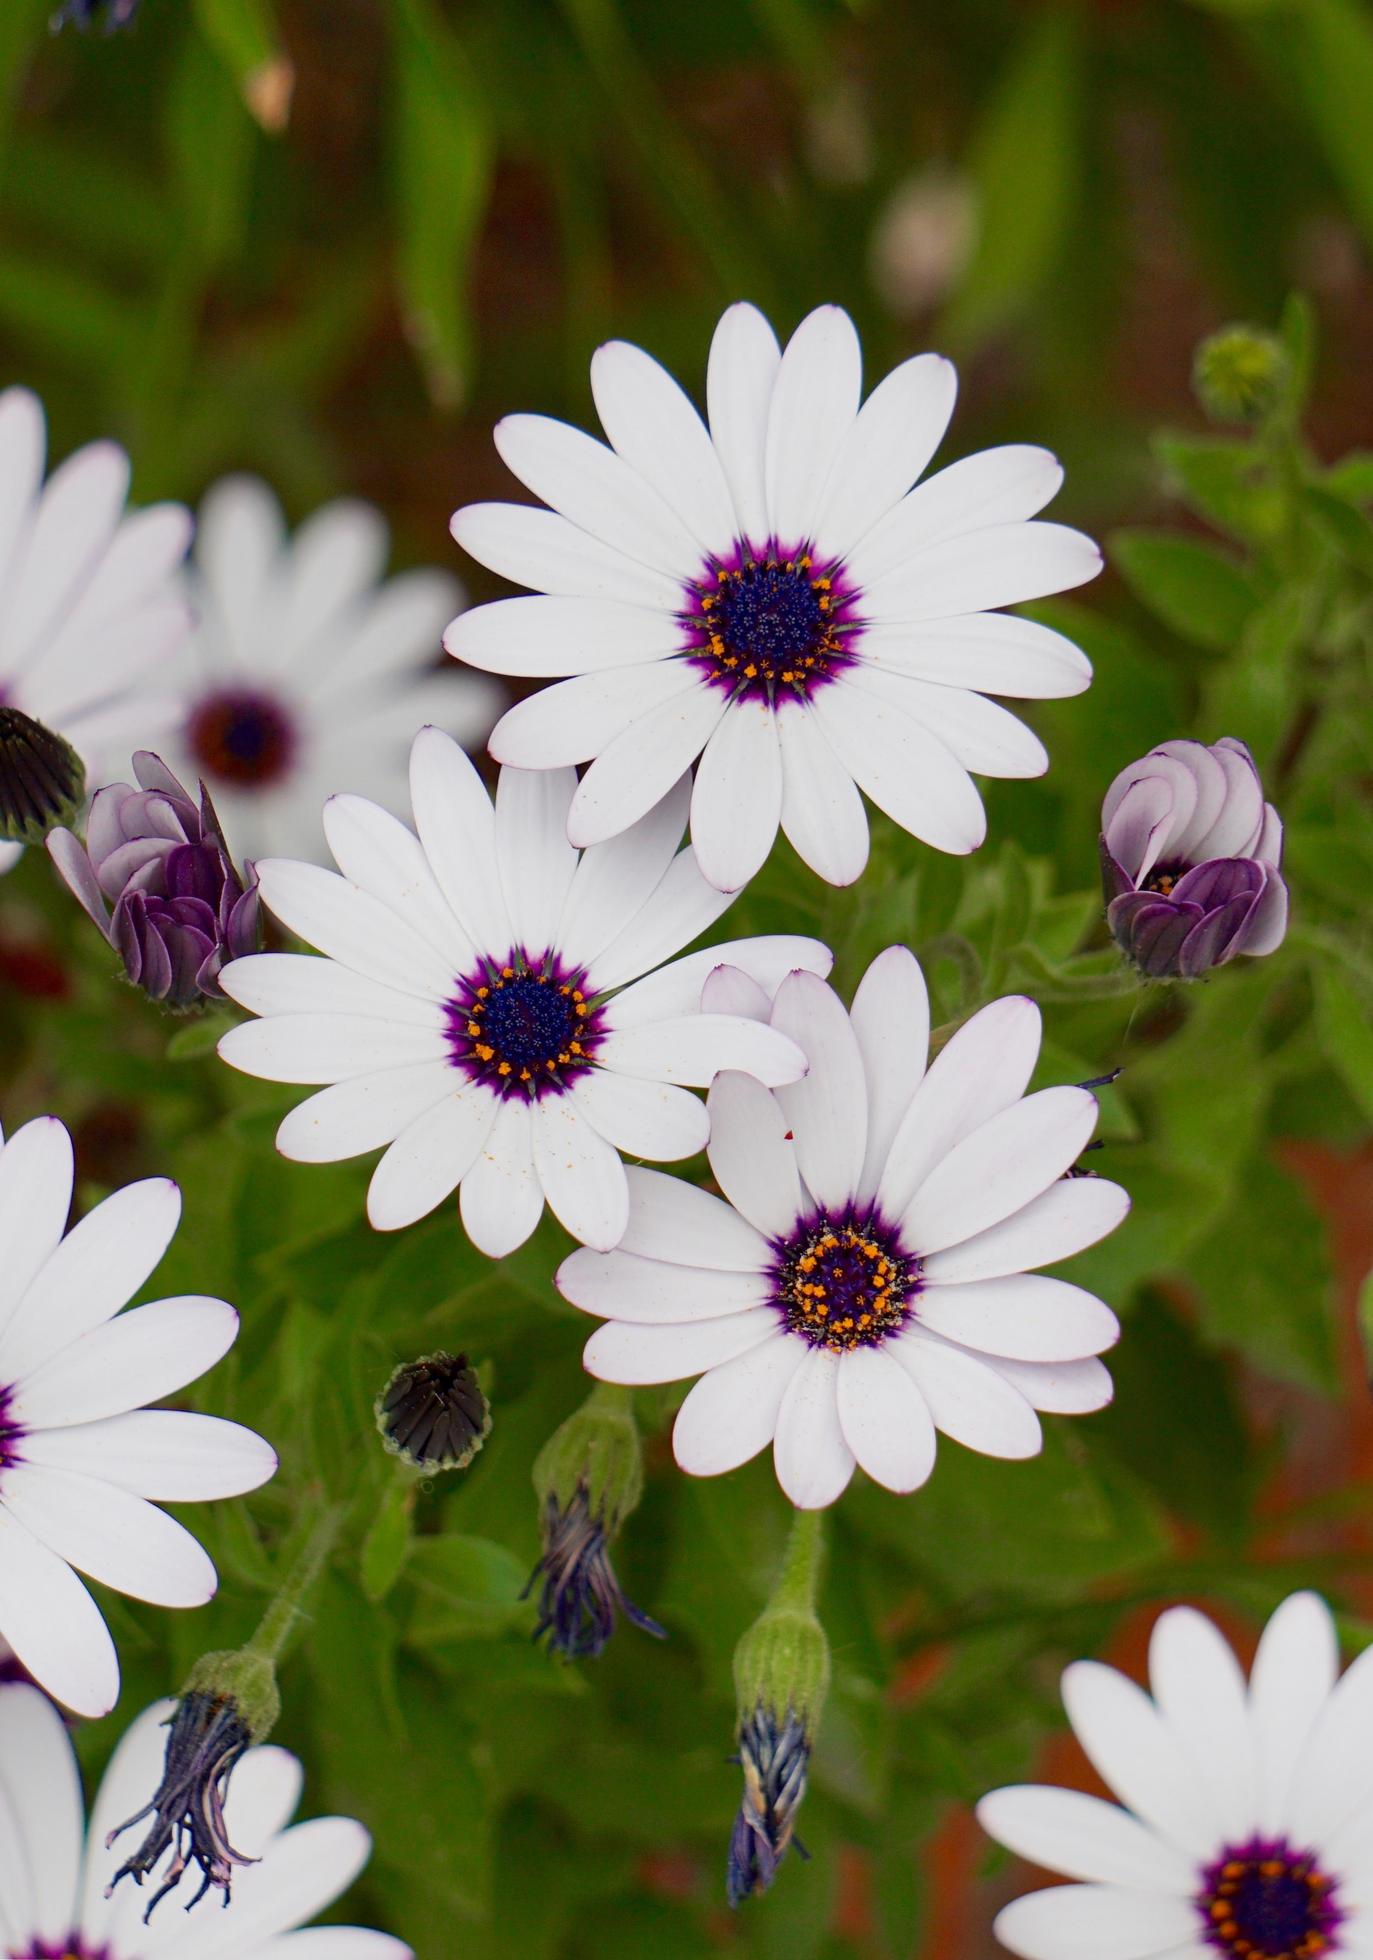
x: 74, y: 1948
x: 772, y: 623
x: 1163, y: 877
x: 526, y: 1027
x: 242, y: 737
x: 845, y: 1281
x: 10, y: 1432
x: 1264, y: 1901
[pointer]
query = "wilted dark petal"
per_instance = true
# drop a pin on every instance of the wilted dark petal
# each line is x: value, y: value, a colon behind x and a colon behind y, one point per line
x: 1218, y: 881
x: 580, y: 1596
x: 1216, y: 939
x: 207, y: 1736
x: 774, y: 1759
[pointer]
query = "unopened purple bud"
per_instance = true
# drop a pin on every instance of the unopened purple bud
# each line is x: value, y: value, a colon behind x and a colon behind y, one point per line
x: 180, y: 910
x: 1191, y: 860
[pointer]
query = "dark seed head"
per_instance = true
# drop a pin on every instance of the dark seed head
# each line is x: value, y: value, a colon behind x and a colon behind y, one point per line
x: 42, y: 779
x: 433, y: 1414
x: 207, y: 1736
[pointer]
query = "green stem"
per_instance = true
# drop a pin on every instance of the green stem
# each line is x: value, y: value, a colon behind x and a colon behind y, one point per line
x: 799, y: 1579
x: 286, y: 1611
x: 610, y: 1399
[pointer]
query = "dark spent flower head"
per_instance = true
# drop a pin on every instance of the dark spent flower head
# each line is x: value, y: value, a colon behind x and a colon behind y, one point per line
x: 774, y: 1757
x: 433, y: 1414
x: 208, y: 1734
x: 181, y: 909
x: 81, y: 13
x: 42, y: 779
x: 580, y: 1596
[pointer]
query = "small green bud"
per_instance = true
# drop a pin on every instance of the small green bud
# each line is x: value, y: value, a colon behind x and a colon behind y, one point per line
x: 245, y: 1679
x: 782, y: 1664
x: 1240, y: 374
x: 596, y: 1452
x: 42, y: 780
x: 432, y: 1413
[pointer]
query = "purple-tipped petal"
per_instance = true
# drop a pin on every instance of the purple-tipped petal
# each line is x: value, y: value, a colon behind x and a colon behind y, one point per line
x: 1216, y: 939
x: 1211, y: 783
x: 1220, y: 880
x: 1181, y: 781
x: 1155, y: 935
x: 1267, y: 924
x: 74, y: 868
x: 1139, y: 826
x: 1238, y: 827
x: 1114, y: 882
x: 1268, y: 850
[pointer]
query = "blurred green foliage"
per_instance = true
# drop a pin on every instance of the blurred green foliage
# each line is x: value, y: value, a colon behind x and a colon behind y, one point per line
x: 332, y: 240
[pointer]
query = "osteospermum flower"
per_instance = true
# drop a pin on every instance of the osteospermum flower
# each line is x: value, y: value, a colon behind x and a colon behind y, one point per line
x: 1245, y: 1831
x: 90, y: 611
x: 863, y: 1283
x: 309, y: 670
x: 772, y: 596
x: 474, y: 1012
x: 1191, y: 860
x: 80, y: 1455
x: 55, y: 1902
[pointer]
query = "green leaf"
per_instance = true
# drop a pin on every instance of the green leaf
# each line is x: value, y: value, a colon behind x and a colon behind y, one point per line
x: 1344, y: 1018
x: 1225, y: 481
x: 200, y: 1035
x: 203, y: 113
x: 1330, y: 45
x: 390, y: 1538
x: 441, y: 155
x: 1347, y: 529
x: 243, y: 34
x: 465, y: 1588
x: 1202, y: 596
x: 1025, y: 163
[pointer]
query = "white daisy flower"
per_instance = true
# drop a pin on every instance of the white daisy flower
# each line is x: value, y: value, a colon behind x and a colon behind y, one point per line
x: 1248, y: 1819
x: 475, y: 1013
x: 863, y: 1281
x: 90, y: 609
x: 309, y: 670
x: 80, y: 1455
x: 772, y: 596
x: 54, y: 1871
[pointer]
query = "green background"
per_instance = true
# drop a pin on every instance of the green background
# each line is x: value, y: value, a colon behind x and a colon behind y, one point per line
x: 462, y: 202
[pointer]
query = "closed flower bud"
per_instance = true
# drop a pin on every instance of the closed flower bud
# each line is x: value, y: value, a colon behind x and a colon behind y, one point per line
x: 180, y: 909
x: 433, y: 1414
x: 1191, y: 859
x: 42, y: 779
x: 1240, y: 374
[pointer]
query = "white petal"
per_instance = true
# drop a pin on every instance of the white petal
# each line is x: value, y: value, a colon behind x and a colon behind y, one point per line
x: 240, y: 535
x: 736, y: 803
x: 977, y: 571
x: 680, y: 987
x: 977, y: 733
x: 885, y: 1420
x: 430, y: 1157
x: 111, y: 1535
x: 573, y: 720
x: 814, y: 404
x: 302, y: 983
x: 676, y: 1221
x: 338, y: 918
x: 995, y: 486
x: 71, y: 529
x: 1008, y: 1160
x: 1026, y: 1317
x: 53, y: 1624
x: 907, y: 771
x: 1333, y: 1779
x: 753, y: 1154
x: 335, y: 1943
x: 545, y: 639
x: 1295, y: 1670
x: 744, y: 358
x: 899, y: 427
x: 539, y: 549
x: 967, y: 1399
x: 361, y: 1114
x: 327, y: 1047
x: 694, y: 1048
x: 392, y: 632
x: 161, y: 1454
x: 615, y: 880
x: 982, y: 1069
x: 822, y: 812
x: 639, y: 767
x: 729, y: 990
x: 138, y: 1357
x: 535, y: 860
x: 996, y: 653
x: 731, y: 1413
x: 891, y: 1024
x: 35, y: 1198
x: 501, y: 1199
x: 1059, y: 1388
x: 828, y: 1108
x: 1097, y: 1922
x: 581, y: 1173
x: 23, y: 441
x: 1073, y: 1213
x: 681, y: 906
x: 457, y: 827
x: 1082, y: 1837
x: 1199, y: 1690
x: 1239, y: 825
x: 96, y: 1270
x: 375, y: 850
x: 653, y: 426
x: 621, y: 1286
x: 592, y: 487
x: 812, y: 1459
x: 41, y: 1788
x: 640, y: 1354
x: 302, y: 1871
x: 336, y: 555
x: 1134, y: 1753
x: 644, y: 1119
